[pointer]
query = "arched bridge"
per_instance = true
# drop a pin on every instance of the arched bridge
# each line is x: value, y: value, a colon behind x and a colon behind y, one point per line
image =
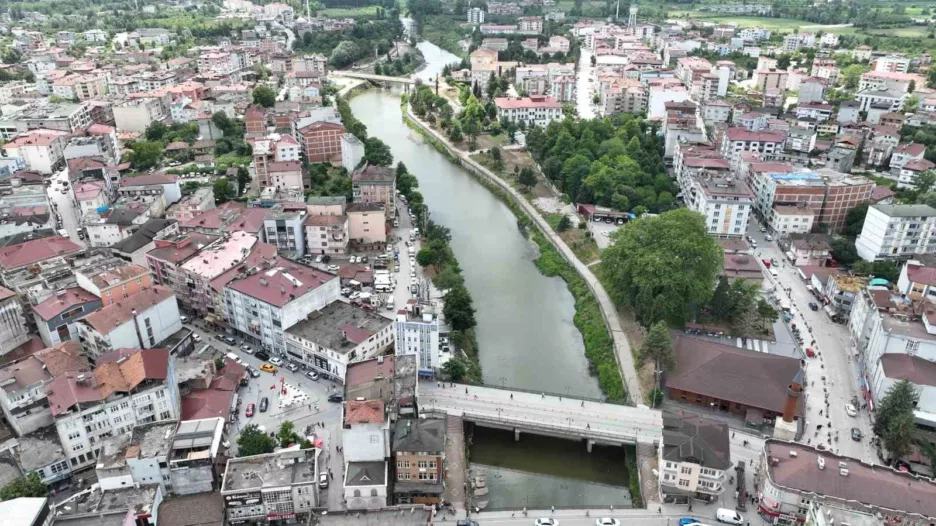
x: 545, y: 414
x: 375, y: 78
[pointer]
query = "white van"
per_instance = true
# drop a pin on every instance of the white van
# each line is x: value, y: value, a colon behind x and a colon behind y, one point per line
x: 729, y: 516
x: 389, y: 302
x: 773, y: 271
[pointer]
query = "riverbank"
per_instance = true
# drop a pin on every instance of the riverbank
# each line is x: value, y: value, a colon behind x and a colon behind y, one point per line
x: 595, y: 316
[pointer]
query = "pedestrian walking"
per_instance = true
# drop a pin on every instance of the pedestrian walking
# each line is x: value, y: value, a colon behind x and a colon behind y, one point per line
x: 511, y: 396
x: 543, y: 395
x: 466, y: 390
x: 583, y: 403
x: 660, y: 510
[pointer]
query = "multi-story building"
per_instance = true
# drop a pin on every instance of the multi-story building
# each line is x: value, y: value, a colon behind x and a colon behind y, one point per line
x: 375, y: 184
x: 284, y: 227
x: 536, y: 110
x: 352, y: 152
x: 218, y: 62
x: 56, y: 315
x: 367, y: 226
x: 22, y: 385
x: 416, y: 333
x: 725, y: 203
x: 193, y: 285
x: 693, y: 456
x: 530, y: 24
x: 13, y: 329
x: 192, y: 204
x: 765, y: 79
x: 623, y: 96
x: 113, y: 284
x: 264, y: 304
x: 739, y: 140
x: 897, y: 232
x: 171, y: 251
x: 194, y: 456
x: 127, y: 387
x: 875, y: 97
x: 275, y: 486
x: 897, y: 63
x: 475, y: 15
x: 139, y: 322
x: 43, y: 151
x: 419, y: 460
x: 791, y: 219
x: 138, y: 457
x: 337, y: 335
x: 321, y: 141
x: 137, y: 114
x: 41, y: 452
x: 327, y: 234
x: 272, y: 149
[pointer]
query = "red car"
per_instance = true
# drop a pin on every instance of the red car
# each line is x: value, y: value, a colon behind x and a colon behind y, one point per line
x: 766, y: 262
x: 250, y: 410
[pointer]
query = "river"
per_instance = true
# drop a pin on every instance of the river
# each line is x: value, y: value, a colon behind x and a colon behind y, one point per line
x: 525, y: 330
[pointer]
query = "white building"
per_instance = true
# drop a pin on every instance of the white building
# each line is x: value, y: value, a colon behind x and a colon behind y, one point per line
x: 725, y: 202
x: 262, y: 305
x: 416, y: 332
x: 141, y: 321
x: 139, y: 457
x: 337, y: 335
x: 897, y: 231
x: 352, y: 152
x: 128, y: 387
x: 475, y: 15
x: 738, y: 140
x: 275, y: 485
x: 536, y: 109
x: 694, y: 456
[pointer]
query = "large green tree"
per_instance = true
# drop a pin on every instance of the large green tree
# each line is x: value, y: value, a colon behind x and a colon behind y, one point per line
x: 663, y: 266
x: 377, y: 152
x: 902, y: 397
x: 254, y: 442
x: 223, y: 190
x: 658, y: 347
x: 145, y: 154
x: 287, y: 433
x: 458, y: 309
x: 29, y: 486
x: 264, y: 96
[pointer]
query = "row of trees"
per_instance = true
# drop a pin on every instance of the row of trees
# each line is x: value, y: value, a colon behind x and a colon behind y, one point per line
x: 345, y: 47
x: 375, y: 151
x: 615, y: 161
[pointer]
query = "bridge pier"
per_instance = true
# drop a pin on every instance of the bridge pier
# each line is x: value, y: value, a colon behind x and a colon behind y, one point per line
x: 516, y: 434
x: 588, y: 445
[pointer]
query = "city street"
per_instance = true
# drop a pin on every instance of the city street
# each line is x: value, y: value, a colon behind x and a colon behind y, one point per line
x: 833, y: 370
x: 584, y: 85
x: 65, y: 205
x: 318, y: 410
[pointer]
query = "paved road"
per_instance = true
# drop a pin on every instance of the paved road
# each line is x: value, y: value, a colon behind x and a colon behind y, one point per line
x: 65, y: 205
x: 584, y: 86
x: 580, y: 417
x: 622, y: 346
x: 833, y: 370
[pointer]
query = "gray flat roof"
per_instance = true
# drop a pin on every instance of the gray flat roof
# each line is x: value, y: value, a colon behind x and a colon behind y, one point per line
x: 40, y: 448
x: 270, y: 471
x: 327, y: 327
x: 906, y: 210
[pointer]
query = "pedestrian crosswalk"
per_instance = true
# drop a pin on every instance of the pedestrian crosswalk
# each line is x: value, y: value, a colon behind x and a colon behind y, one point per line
x: 753, y: 345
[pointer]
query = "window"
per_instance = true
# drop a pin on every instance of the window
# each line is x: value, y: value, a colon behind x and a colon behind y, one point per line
x: 684, y: 483
x: 685, y: 471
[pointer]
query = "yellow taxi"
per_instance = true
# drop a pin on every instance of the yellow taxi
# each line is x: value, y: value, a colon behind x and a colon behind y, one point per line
x: 267, y: 368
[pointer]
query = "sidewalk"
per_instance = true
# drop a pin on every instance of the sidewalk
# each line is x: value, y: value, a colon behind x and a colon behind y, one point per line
x: 622, y: 346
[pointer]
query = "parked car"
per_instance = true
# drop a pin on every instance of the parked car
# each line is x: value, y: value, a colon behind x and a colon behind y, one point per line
x: 276, y: 360
x: 264, y: 404
x: 729, y: 516
x: 607, y: 521
x: 362, y: 259
x: 250, y: 411
x: 768, y: 237
x: 813, y: 305
x: 856, y: 434
x: 267, y: 368
x: 346, y: 291
x: 545, y: 521
x: 196, y: 337
x: 323, y: 479
x: 292, y: 366
x: 318, y: 258
x: 228, y: 340
x: 253, y: 372
x: 850, y: 410
x: 262, y: 355
x: 246, y: 349
x: 335, y: 398
x: 333, y: 268
x: 312, y: 375
x: 184, y: 319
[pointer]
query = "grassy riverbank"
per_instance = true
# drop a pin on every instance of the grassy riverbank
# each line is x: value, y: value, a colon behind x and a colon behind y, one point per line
x: 588, y: 317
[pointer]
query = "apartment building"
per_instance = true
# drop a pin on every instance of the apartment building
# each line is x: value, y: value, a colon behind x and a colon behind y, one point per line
x: 536, y: 110
x: 419, y: 460
x: 13, y: 329
x: 897, y: 232
x: 352, y: 152
x: 139, y: 322
x: 192, y: 205
x: 327, y: 233
x: 195, y: 286
x: 274, y: 148
x: 337, y: 335
x: 195, y: 453
x: 765, y: 79
x: 112, y: 284
x: 171, y: 251
x: 23, y: 396
x: 264, y: 304
x: 140, y: 457
x: 530, y: 24
x: 136, y: 115
x: 375, y: 184
x: 623, y: 96
x: 42, y: 150
x: 272, y: 486
x: 416, y: 333
x: 128, y: 387
x: 694, y: 456
x: 475, y: 15
x: 56, y: 315
x: 725, y: 202
x: 321, y: 141
x: 218, y: 62
x: 284, y: 227
x: 738, y: 140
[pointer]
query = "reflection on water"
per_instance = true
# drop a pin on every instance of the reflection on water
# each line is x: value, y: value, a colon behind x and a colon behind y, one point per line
x: 514, y: 489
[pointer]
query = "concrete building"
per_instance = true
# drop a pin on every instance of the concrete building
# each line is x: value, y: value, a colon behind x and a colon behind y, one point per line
x: 725, y: 203
x: 416, y: 333
x: 375, y: 184
x: 897, y: 232
x: 536, y: 110
x: 322, y: 142
x: 352, y: 152
x: 284, y: 227
x: 138, y: 322
x: 127, y: 388
x: 327, y: 233
x: 475, y: 15
x: 41, y: 452
x: 137, y: 458
x: 419, y: 458
x: 137, y: 114
x: 694, y: 456
x: 365, y: 485
x: 28, y: 511
x: 367, y: 226
x: 337, y: 335
x: 274, y: 486
x: 43, y: 151
x: 22, y: 385
x: 115, y: 283
x: 623, y: 96
x: 263, y: 305
x: 13, y: 329
x: 875, y: 97
x: 56, y: 316
x: 195, y: 455
x: 273, y: 149
x: 738, y: 140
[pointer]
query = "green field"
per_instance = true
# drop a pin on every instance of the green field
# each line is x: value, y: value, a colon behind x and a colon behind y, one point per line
x: 908, y: 32
x: 349, y: 12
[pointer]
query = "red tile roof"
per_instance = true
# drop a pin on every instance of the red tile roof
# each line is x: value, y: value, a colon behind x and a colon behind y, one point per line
x: 36, y: 250
x: 536, y: 101
x: 281, y: 284
x: 207, y: 403
x: 741, y: 134
x: 364, y: 412
x: 146, y: 180
x: 116, y: 314
x: 62, y: 301
x: 919, y: 165
x: 914, y: 149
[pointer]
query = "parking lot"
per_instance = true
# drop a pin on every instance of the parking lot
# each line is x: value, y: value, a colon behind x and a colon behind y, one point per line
x: 601, y: 231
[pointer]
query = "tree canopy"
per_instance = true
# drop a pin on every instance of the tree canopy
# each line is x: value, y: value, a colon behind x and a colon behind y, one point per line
x: 253, y: 442
x: 29, y: 486
x: 264, y: 96
x: 663, y: 266
x: 893, y: 418
x: 658, y: 346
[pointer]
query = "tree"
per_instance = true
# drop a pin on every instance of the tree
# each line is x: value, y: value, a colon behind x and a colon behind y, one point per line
x: 527, y: 178
x: 854, y: 220
x: 243, y: 178
x: 254, y: 442
x: 783, y: 61
x: 901, y: 398
x: 156, y: 131
x: 720, y: 306
x: 768, y: 314
x: 843, y: 251
x: 898, y: 438
x: 455, y: 131
x: 497, y: 158
x: 344, y: 54
x: 455, y: 369
x: 287, y: 433
x: 264, y: 96
x: 564, y: 224
x: 658, y: 347
x: 219, y: 363
x: 145, y: 154
x: 29, y: 486
x: 924, y: 182
x: 426, y: 257
x: 223, y: 190
x: 458, y: 309
x: 911, y: 104
x: 663, y: 266
x: 851, y: 76
x: 376, y: 152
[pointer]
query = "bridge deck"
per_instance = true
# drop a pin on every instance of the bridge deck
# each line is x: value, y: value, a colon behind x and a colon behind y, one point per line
x: 375, y: 78
x: 545, y: 413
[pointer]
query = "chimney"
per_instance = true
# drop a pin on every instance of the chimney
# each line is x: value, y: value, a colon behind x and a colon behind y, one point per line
x: 794, y: 392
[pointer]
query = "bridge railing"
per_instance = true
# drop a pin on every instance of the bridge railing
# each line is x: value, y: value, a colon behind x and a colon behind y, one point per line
x: 551, y: 393
x: 555, y: 427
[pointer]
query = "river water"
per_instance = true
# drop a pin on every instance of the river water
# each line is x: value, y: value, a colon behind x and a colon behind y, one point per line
x: 525, y: 331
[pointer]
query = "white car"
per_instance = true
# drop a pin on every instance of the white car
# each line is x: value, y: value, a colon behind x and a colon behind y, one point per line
x: 333, y: 268
x: 318, y: 258
x: 546, y: 522
x: 850, y: 409
x: 276, y: 360
x: 768, y: 237
x: 196, y: 337
x: 607, y: 521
